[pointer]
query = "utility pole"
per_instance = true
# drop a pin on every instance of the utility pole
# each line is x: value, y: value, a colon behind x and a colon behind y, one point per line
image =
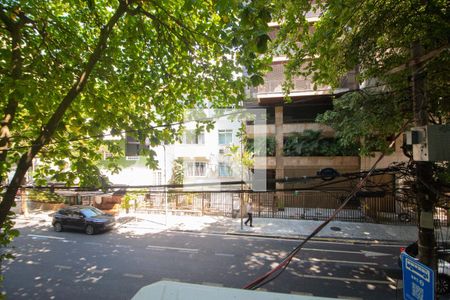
x: 425, y: 196
x: 165, y: 186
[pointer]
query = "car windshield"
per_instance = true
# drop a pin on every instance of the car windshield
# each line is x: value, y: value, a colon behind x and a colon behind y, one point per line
x: 91, y: 212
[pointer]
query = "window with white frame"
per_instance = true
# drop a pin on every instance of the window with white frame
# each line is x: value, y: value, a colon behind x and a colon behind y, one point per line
x: 195, y: 168
x: 159, y: 178
x: 225, y: 170
x: 132, y: 157
x: 106, y: 154
x: 193, y: 137
x: 225, y: 136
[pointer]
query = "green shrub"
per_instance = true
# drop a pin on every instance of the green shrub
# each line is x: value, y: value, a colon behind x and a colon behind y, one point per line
x: 311, y: 143
x: 45, y: 196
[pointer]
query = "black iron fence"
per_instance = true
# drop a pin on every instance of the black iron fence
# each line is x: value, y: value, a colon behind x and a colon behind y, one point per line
x: 300, y: 205
x: 306, y: 205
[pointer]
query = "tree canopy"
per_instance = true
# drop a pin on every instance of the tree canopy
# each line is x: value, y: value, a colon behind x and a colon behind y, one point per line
x: 73, y: 71
x: 374, y: 39
x: 400, y: 53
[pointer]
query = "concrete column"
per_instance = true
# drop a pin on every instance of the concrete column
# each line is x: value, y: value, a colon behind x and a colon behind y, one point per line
x: 279, y: 168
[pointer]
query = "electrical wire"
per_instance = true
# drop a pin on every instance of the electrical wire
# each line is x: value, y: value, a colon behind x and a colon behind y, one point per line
x: 288, y: 180
x: 268, y: 277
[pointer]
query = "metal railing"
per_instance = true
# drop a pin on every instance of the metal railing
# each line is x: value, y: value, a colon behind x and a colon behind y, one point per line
x: 300, y: 205
x: 305, y: 205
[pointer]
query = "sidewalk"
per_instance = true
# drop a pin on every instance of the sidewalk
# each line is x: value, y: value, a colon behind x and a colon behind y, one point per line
x: 142, y: 223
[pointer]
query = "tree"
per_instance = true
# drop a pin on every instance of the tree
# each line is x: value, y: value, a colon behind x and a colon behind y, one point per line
x: 400, y: 48
x: 177, y: 171
x: 71, y: 71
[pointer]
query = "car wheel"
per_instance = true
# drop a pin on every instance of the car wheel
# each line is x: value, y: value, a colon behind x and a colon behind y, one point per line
x: 443, y: 284
x: 89, y: 229
x: 58, y: 227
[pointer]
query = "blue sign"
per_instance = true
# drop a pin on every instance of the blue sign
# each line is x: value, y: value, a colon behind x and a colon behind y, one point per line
x: 418, y: 279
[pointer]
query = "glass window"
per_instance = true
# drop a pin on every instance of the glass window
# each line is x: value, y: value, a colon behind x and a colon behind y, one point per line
x: 225, y: 136
x: 159, y: 178
x: 225, y: 170
x: 196, y: 168
x: 193, y: 137
x: 88, y: 212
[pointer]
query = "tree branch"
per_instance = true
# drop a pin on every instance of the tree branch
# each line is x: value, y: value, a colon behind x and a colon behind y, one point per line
x: 141, y: 10
x: 51, y: 126
x: 419, y: 60
x: 9, y: 23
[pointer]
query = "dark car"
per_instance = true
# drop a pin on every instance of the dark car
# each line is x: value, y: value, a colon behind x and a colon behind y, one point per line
x: 87, y: 218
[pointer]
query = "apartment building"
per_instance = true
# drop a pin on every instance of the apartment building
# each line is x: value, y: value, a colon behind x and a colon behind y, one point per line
x: 286, y: 122
x: 205, y: 156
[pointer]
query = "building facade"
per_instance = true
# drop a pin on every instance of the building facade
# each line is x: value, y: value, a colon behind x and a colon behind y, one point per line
x: 205, y: 156
x: 287, y: 122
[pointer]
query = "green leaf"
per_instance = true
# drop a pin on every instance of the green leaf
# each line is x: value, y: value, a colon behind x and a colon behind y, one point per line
x: 257, y: 80
x: 261, y: 43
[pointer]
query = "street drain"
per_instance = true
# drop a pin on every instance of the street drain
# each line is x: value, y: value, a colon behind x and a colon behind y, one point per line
x: 335, y: 228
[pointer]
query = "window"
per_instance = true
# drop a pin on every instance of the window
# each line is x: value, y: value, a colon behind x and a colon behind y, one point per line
x: 225, y: 136
x: 225, y: 170
x: 132, y: 157
x: 159, y: 178
x: 193, y: 137
x: 195, y: 168
x: 106, y: 154
x: 88, y: 213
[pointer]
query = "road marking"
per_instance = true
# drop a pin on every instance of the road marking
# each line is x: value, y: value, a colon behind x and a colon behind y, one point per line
x: 343, y: 261
x: 296, y: 239
x: 358, y: 280
x: 393, y: 245
x: 301, y: 293
x: 374, y: 254
x: 46, y: 237
x: 63, y: 267
x: 93, y: 243
x: 363, y: 252
x: 122, y: 246
x: 68, y: 241
x: 224, y: 254
x: 172, y: 248
x: 133, y: 275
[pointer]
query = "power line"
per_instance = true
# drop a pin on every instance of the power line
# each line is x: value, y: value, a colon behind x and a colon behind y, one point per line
x: 287, y: 180
x: 269, y: 276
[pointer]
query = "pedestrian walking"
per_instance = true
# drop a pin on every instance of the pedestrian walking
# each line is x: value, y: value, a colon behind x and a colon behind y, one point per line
x: 250, y: 214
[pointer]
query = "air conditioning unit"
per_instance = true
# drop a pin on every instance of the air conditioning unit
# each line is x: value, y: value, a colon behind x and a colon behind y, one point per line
x: 221, y: 151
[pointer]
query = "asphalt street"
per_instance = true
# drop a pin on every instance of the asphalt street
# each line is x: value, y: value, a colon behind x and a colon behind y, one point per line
x: 72, y: 265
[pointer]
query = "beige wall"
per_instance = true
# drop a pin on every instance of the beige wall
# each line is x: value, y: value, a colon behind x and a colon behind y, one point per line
x: 269, y: 130
x: 398, y: 156
x: 315, y: 162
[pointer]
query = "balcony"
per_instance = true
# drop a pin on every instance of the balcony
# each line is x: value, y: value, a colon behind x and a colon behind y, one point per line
x: 302, y: 87
x: 273, y: 85
x: 269, y: 130
x: 313, y: 162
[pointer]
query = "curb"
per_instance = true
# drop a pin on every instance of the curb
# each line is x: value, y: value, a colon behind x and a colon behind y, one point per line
x: 126, y: 220
x: 299, y: 238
